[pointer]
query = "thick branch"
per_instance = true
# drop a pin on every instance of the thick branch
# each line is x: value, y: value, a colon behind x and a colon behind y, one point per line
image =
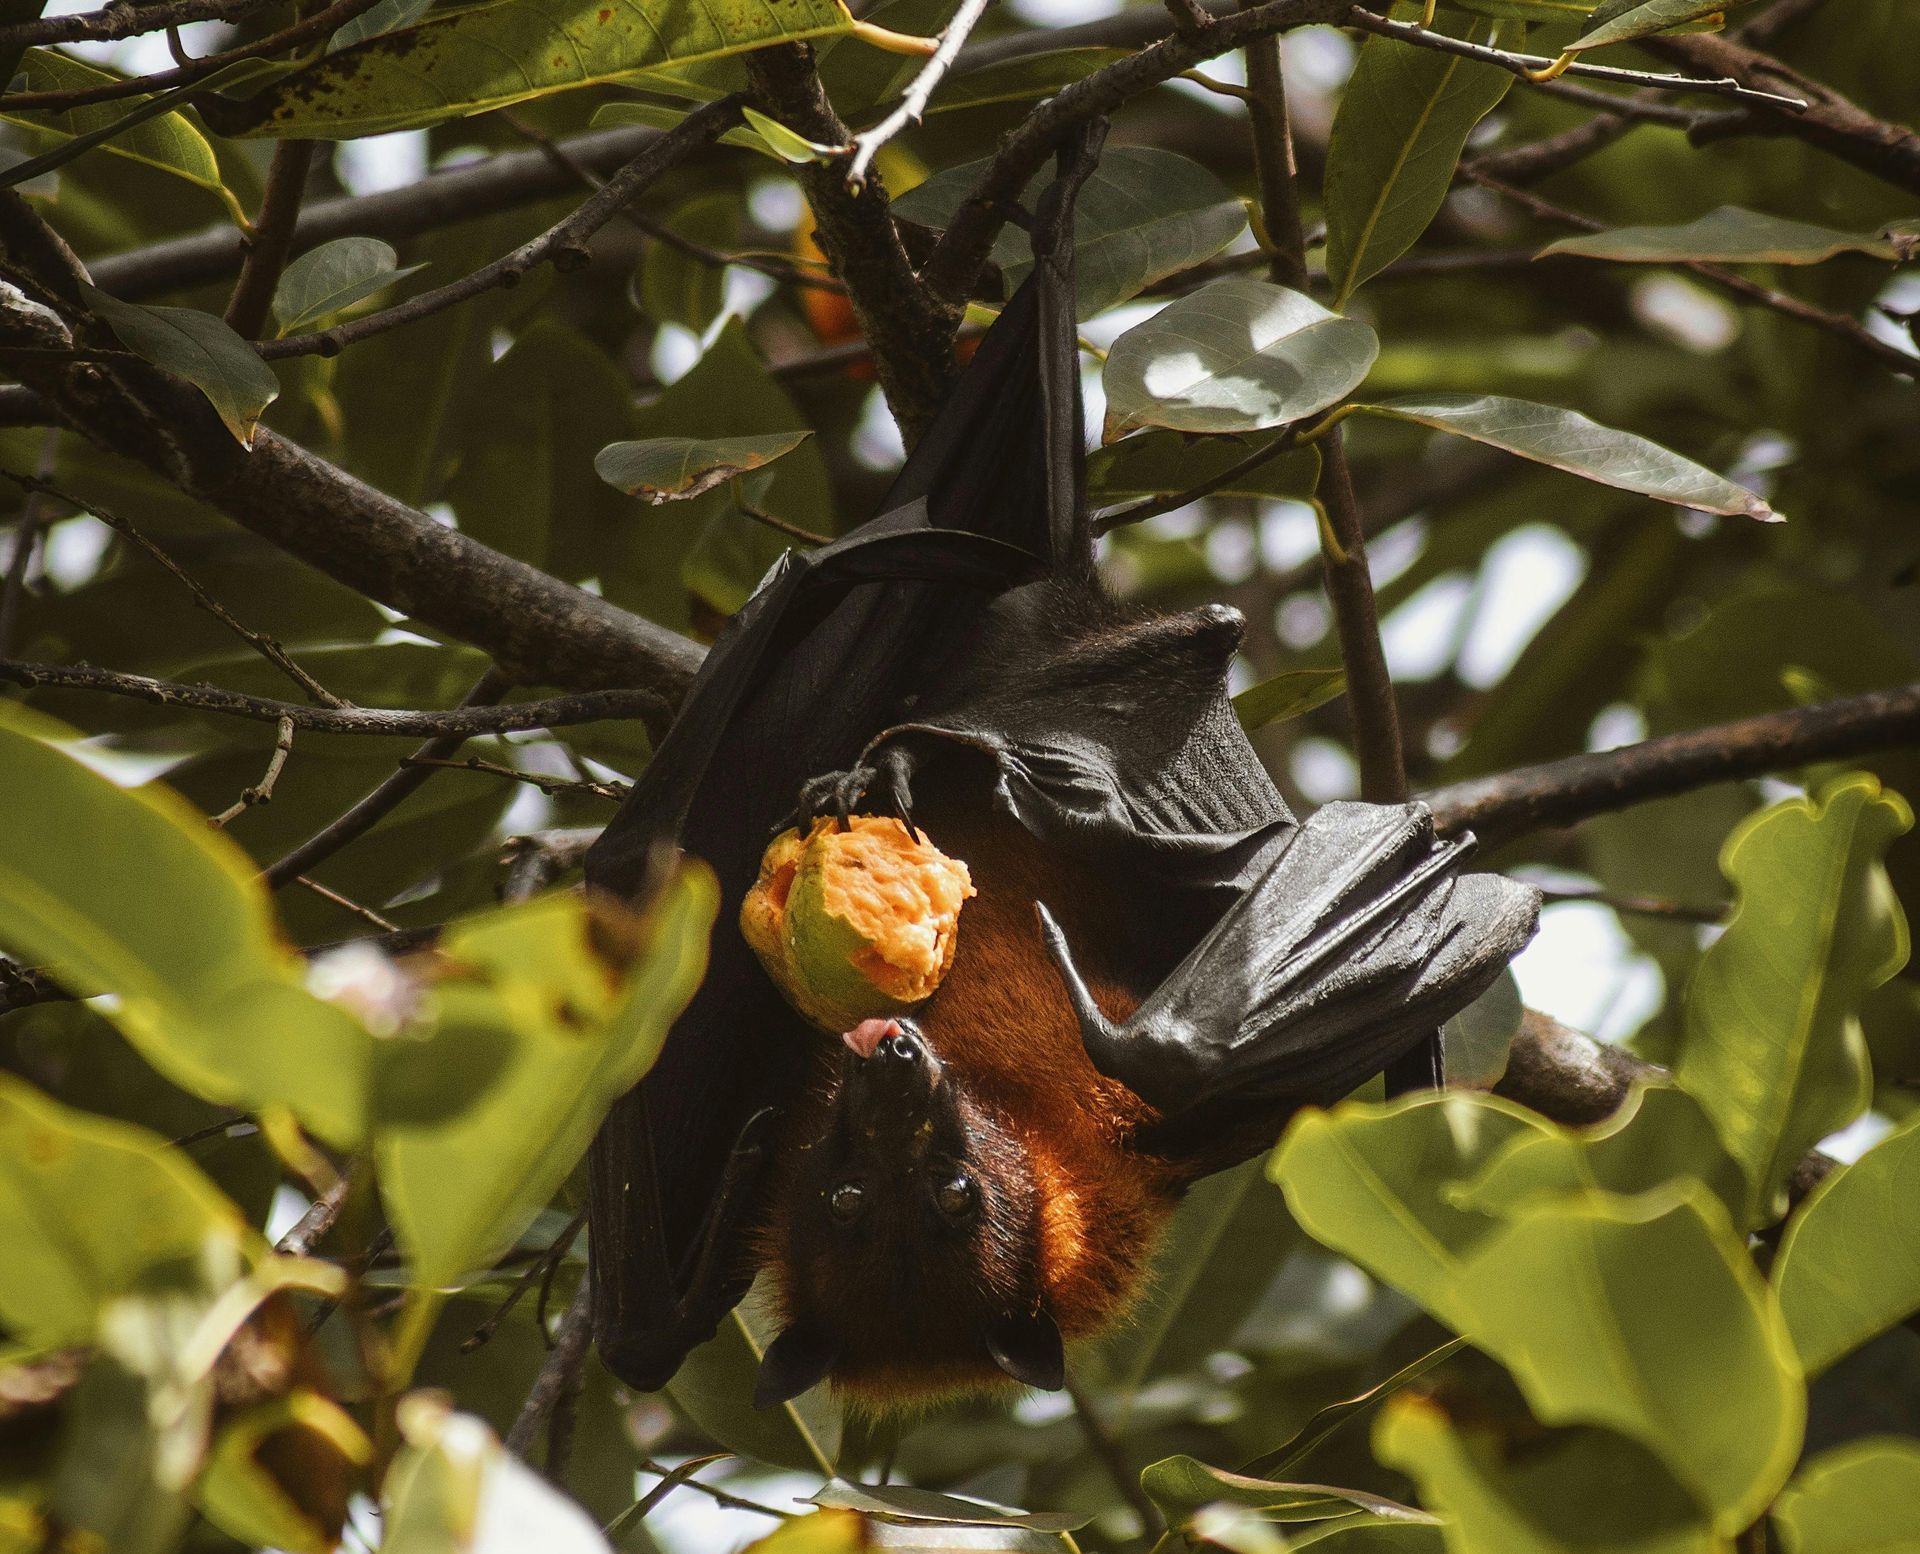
x: 123, y: 19
x: 911, y: 333
x: 1560, y: 793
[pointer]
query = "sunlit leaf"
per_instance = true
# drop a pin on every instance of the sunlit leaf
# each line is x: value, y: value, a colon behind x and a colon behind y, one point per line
x: 1773, y: 1050
x: 1290, y: 695
x: 239, y: 1493
x: 470, y: 59
x: 667, y: 469
x: 1727, y: 235
x: 1849, y: 1265
x: 1142, y: 215
x: 824, y: 1532
x: 332, y: 277
x: 1621, y: 21
x: 903, y: 1503
x: 130, y: 893
x: 200, y: 348
x: 1860, y: 1498
x: 1181, y: 1485
x: 1402, y: 124
x: 788, y: 145
x: 1568, y: 440
x: 1235, y: 356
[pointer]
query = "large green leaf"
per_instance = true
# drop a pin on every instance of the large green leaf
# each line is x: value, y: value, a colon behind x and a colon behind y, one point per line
x: 1860, y: 1498
x: 1554, y: 1493
x: 92, y: 1209
x: 1142, y: 215
x: 583, y: 994
x: 1236, y: 356
x: 1849, y: 1265
x: 1726, y: 235
x: 1773, y: 1049
x: 478, y: 57
x: 201, y: 348
x: 1567, y: 440
x: 1402, y: 124
x: 169, y: 141
x: 130, y: 893
x: 714, y: 1389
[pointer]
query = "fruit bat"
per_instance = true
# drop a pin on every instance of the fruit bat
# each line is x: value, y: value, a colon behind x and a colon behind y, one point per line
x: 1161, y: 964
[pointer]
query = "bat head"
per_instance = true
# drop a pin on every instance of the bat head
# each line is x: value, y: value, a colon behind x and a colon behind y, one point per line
x: 907, y: 1239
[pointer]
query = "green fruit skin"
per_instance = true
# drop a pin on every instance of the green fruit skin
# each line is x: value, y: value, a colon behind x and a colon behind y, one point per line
x: 824, y: 983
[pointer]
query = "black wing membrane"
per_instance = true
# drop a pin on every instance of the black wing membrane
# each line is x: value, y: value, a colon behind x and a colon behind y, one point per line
x: 1356, y: 938
x: 830, y: 649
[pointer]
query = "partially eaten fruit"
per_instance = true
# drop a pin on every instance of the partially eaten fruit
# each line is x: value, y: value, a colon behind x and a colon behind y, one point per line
x: 855, y: 924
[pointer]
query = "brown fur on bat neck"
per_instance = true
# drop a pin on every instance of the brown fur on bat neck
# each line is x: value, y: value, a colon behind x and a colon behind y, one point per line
x: 896, y: 1305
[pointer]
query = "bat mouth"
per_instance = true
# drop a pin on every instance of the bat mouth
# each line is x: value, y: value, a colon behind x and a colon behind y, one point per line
x: 890, y: 1081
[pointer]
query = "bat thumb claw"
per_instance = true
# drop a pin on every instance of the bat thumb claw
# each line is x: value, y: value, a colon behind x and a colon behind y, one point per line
x: 1095, y: 1027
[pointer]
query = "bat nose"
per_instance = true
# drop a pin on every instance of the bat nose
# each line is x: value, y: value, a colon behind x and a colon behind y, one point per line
x: 885, y: 1042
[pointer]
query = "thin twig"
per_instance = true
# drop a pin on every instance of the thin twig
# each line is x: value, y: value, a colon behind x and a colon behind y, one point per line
x: 642, y: 1508
x: 535, y: 1272
x: 913, y: 102
x: 1836, y: 324
x: 261, y: 791
x: 773, y: 521
x: 375, y: 806
x: 516, y: 717
x: 541, y: 780
x: 535, y: 861
x: 561, y: 1373
x: 1641, y: 906
x: 267, y: 647
x: 317, y: 1221
x: 563, y: 245
x: 271, y: 242
x: 1523, y: 65
x: 1560, y: 793
x: 124, y: 20
x: 1106, y: 1450
x: 26, y: 539
x: 1151, y: 507
x: 718, y: 1496
x: 346, y: 903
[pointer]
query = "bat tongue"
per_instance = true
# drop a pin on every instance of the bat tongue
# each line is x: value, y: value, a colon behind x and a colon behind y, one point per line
x: 868, y: 1034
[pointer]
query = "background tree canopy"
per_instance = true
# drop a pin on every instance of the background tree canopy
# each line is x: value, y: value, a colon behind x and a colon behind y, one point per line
x: 399, y: 393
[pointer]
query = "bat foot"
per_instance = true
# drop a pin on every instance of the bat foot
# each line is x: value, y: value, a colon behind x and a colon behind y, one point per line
x: 881, y: 786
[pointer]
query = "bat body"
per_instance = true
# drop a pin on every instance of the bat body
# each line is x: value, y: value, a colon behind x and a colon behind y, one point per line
x: 1160, y: 965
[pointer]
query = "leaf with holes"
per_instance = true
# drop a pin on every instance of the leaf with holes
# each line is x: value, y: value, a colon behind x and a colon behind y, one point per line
x: 672, y: 469
x: 1236, y: 356
x: 1567, y: 440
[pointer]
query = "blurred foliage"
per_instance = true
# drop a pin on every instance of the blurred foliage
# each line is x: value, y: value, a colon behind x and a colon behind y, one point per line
x: 1440, y: 1323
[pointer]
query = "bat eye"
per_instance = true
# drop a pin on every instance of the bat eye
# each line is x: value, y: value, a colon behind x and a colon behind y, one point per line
x: 957, y: 1197
x: 846, y: 1202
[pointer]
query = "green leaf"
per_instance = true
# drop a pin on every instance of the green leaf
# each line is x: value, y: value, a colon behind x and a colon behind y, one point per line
x: 671, y: 469
x: 1621, y: 21
x: 453, y: 1487
x: 331, y: 278
x: 832, y: 1532
x: 1860, y: 1498
x: 1551, y: 1492
x: 1567, y: 440
x: 714, y: 1389
x: 247, y: 1502
x: 1726, y: 235
x: 1403, y: 121
x: 478, y: 57
x: 1235, y: 356
x: 904, y: 1504
x: 131, y: 893
x: 1144, y: 214
x: 584, y: 993
x: 1481, y: 1035
x: 1335, y: 1416
x: 92, y: 1210
x: 1773, y: 1049
x: 1849, y: 1265
x: 1181, y: 1485
x: 169, y: 141
x: 202, y: 349
x: 1290, y: 695
x: 672, y: 287
x: 385, y: 16
x: 788, y: 145
x: 1161, y: 463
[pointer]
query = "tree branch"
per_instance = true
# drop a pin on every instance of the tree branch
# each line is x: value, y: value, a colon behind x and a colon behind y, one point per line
x: 271, y: 244
x: 1561, y: 793
x: 913, y: 103
x: 550, y: 712
x: 124, y: 20
x: 910, y: 329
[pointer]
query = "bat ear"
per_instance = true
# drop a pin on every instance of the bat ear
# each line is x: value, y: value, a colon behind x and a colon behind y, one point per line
x: 1027, y: 1347
x: 794, y: 1361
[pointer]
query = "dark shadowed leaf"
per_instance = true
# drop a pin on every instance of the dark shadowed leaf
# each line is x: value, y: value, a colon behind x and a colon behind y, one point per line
x: 1568, y: 440
x: 670, y: 469
x: 1849, y: 1266
x: 1728, y: 235
x: 200, y: 348
x: 332, y: 277
x: 1161, y: 463
x: 1236, y: 356
x: 1335, y: 1416
x: 1144, y: 214
x: 1403, y: 122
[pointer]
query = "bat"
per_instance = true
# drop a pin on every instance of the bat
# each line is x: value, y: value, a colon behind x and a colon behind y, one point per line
x: 1161, y: 963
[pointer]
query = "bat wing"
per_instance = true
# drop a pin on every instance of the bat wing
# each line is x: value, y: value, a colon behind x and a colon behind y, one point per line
x: 1357, y: 936
x: 834, y: 644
